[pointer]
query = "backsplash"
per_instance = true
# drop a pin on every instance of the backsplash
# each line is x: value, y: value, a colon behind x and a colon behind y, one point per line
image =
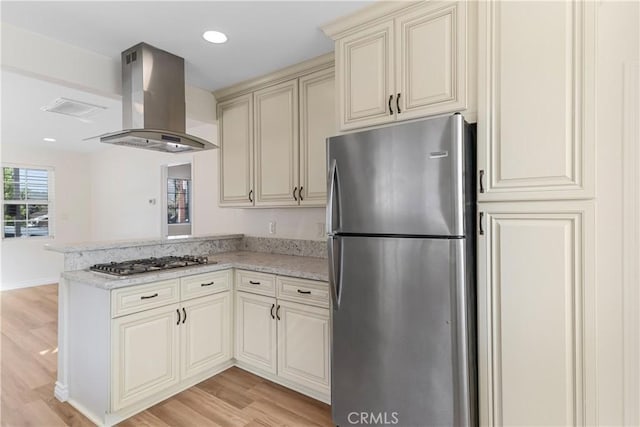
x: 311, y: 248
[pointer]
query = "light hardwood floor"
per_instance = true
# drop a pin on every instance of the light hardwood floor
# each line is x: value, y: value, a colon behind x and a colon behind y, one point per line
x: 234, y: 398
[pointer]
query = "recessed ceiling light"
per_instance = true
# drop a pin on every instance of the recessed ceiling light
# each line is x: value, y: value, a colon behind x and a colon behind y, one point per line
x: 49, y: 139
x: 214, y: 36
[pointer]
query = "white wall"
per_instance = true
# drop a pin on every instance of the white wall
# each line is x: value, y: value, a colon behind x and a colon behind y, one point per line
x: 123, y: 180
x: 24, y: 261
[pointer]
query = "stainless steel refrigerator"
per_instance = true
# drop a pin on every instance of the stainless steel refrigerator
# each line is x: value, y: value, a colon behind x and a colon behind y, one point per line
x: 401, y: 223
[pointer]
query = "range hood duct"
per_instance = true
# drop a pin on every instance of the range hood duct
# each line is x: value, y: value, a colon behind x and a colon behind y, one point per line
x: 153, y: 106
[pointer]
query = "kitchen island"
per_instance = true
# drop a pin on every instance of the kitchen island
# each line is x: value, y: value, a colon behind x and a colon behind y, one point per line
x: 126, y: 343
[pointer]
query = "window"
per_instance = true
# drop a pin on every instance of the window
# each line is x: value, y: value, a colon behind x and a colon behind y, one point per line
x: 26, y: 201
x: 178, y: 195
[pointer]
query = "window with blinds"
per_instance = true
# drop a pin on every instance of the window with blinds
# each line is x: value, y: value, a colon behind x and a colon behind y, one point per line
x: 26, y: 201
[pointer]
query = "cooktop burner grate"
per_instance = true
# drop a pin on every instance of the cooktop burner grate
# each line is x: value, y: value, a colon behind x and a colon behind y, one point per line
x: 137, y: 266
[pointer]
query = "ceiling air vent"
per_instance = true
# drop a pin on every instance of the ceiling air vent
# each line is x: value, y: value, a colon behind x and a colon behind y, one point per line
x: 73, y: 108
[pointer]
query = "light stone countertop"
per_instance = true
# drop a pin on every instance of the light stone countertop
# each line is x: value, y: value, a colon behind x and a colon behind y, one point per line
x: 119, y: 244
x: 284, y: 265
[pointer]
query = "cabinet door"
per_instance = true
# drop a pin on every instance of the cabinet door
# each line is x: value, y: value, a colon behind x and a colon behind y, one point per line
x: 431, y: 67
x: 536, y: 111
x: 205, y: 334
x: 536, y: 311
x: 276, y: 125
x: 144, y: 355
x: 364, y: 71
x: 256, y: 331
x: 317, y: 123
x: 235, y: 135
x: 303, y: 345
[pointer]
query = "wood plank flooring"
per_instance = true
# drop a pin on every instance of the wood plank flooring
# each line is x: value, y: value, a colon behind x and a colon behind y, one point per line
x: 234, y: 398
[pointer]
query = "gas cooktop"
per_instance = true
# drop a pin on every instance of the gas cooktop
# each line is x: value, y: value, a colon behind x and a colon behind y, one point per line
x: 137, y: 266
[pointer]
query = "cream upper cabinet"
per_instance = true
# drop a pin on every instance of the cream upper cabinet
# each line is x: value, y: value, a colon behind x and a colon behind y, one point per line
x: 364, y: 67
x: 137, y: 339
x: 317, y: 123
x: 413, y: 64
x: 276, y: 144
x: 256, y: 331
x: 536, y: 311
x: 536, y: 111
x: 206, y: 334
x: 275, y: 127
x: 235, y: 135
x: 304, y: 335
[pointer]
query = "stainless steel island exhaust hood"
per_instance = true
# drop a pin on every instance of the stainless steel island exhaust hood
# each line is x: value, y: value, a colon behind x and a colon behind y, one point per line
x: 153, y: 103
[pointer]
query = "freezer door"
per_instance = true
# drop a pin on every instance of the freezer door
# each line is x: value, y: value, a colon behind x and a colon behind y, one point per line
x: 402, y: 336
x: 404, y: 179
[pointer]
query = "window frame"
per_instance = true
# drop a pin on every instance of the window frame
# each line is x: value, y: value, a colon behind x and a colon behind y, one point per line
x: 50, y: 202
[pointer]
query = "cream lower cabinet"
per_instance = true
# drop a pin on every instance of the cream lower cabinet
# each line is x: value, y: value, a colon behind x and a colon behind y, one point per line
x: 413, y: 64
x: 145, y: 350
x: 256, y: 331
x: 536, y: 314
x: 536, y: 100
x: 287, y: 340
x: 157, y: 349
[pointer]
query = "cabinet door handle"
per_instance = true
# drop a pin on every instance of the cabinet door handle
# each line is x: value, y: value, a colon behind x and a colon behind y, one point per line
x: 254, y: 283
x: 278, y: 312
x: 294, y: 193
x: 390, y: 109
x: 480, y: 179
x: 184, y: 311
x: 149, y: 296
x: 178, y: 311
x: 398, y: 104
x: 207, y: 284
x: 304, y: 292
x: 481, y: 230
x: 250, y: 193
x: 300, y: 193
x: 272, y: 307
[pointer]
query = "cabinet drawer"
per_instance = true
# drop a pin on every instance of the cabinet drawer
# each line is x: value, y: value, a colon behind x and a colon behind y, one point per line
x: 204, y: 284
x: 303, y: 291
x: 257, y: 283
x: 144, y: 297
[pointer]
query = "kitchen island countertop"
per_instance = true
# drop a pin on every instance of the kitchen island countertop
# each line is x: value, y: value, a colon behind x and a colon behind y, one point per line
x: 284, y: 265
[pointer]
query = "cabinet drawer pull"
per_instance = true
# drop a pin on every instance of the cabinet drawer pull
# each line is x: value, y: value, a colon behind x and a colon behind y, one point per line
x: 390, y: 109
x: 481, y: 230
x: 184, y: 311
x: 278, y: 313
x: 254, y: 283
x: 178, y: 311
x: 480, y: 179
x: 149, y: 296
x: 398, y: 104
x: 250, y: 193
x: 300, y: 193
x: 304, y: 292
x: 272, y: 307
x: 294, y: 193
x: 207, y: 284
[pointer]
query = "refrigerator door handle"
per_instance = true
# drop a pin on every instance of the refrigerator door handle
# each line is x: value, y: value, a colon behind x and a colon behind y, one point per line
x: 334, y: 272
x: 333, y: 181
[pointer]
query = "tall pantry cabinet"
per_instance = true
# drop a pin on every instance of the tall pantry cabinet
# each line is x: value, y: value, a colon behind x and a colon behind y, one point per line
x: 536, y: 184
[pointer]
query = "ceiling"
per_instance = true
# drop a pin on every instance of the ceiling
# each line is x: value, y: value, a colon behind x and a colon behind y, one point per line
x: 24, y: 123
x: 263, y: 35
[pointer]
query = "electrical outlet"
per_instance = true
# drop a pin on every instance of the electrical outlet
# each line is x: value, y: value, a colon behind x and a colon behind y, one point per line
x: 272, y: 227
x: 320, y: 229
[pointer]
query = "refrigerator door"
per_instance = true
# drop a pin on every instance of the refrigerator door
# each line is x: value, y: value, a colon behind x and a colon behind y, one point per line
x: 405, y: 179
x: 402, y: 336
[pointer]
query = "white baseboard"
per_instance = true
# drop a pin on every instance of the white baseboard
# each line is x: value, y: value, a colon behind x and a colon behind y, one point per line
x: 4, y: 286
x: 61, y: 392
